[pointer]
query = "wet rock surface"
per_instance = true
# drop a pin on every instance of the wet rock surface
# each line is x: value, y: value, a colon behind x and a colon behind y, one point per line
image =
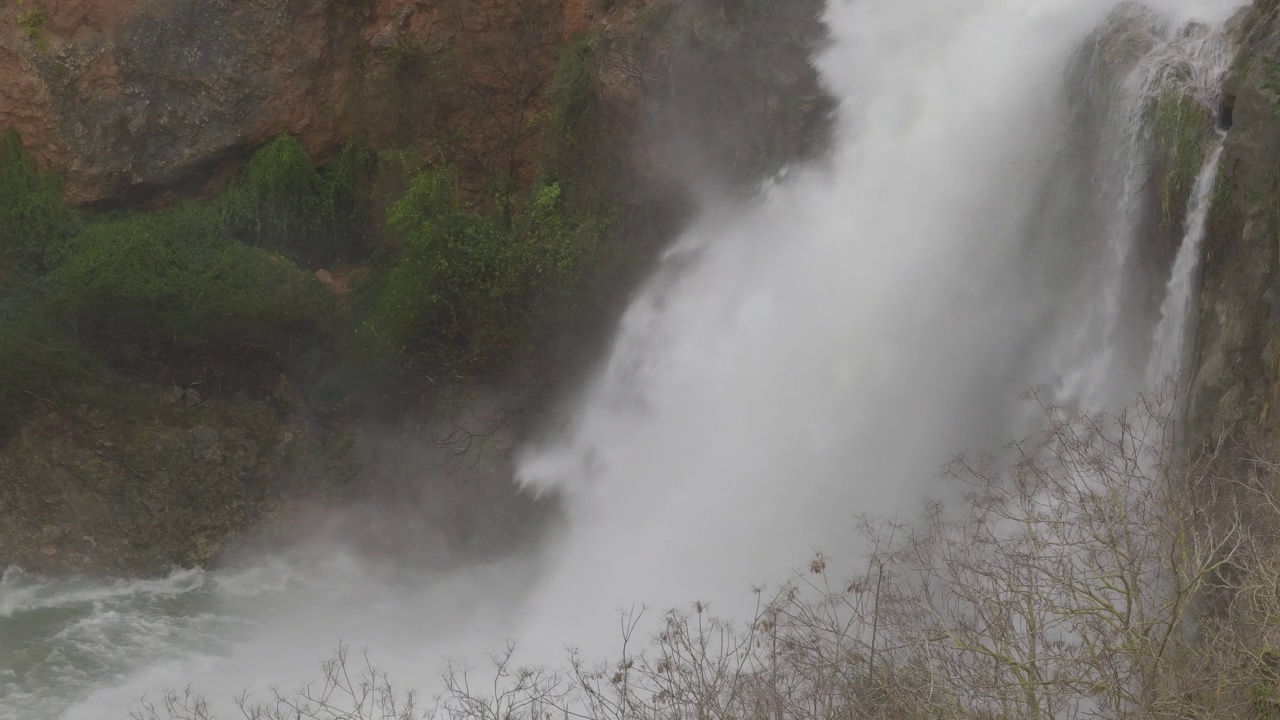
x: 123, y: 491
x: 1236, y: 359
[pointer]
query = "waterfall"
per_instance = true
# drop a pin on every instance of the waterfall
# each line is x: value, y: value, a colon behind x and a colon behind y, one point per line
x: 797, y: 360
x: 823, y: 354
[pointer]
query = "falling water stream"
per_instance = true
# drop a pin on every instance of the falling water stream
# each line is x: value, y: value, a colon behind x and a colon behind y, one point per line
x: 1169, y: 346
x: 817, y: 354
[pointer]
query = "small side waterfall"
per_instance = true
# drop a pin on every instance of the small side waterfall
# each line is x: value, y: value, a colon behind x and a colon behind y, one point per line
x: 1141, y: 94
x: 1169, y: 345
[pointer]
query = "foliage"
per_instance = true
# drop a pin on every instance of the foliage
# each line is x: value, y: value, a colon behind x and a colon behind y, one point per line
x: 34, y: 221
x: 575, y: 84
x: 478, y: 284
x: 211, y: 283
x: 275, y: 203
x: 282, y: 203
x: 346, y: 200
x: 36, y: 359
x: 174, y: 279
x: 169, y: 284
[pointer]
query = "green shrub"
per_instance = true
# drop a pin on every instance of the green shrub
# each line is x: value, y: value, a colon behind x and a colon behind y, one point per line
x: 475, y: 285
x: 34, y: 221
x: 188, y: 283
x: 173, y: 279
x: 346, y: 206
x: 276, y: 201
x: 574, y: 85
x: 282, y: 203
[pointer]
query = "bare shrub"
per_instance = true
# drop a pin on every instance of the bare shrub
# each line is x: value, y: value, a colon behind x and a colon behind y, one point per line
x: 1091, y: 573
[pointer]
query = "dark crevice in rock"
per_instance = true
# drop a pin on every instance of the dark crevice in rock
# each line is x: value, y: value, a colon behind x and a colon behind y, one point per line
x: 1226, y: 112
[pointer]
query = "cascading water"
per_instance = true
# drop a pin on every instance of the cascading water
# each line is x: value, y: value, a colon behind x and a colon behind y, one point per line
x: 816, y: 355
x: 825, y: 354
x: 1169, y: 346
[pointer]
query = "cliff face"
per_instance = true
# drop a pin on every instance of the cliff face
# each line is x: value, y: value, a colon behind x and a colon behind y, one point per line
x: 1235, y: 361
x: 173, y: 477
x: 136, y: 96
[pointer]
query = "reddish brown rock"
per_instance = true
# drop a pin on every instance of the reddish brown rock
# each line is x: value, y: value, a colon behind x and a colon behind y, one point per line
x: 129, y: 96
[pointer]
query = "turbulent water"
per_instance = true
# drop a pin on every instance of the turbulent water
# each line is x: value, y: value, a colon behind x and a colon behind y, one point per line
x: 976, y: 229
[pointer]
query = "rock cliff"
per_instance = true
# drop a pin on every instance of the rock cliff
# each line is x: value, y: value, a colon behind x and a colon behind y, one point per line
x: 1235, y: 365
x: 134, y: 97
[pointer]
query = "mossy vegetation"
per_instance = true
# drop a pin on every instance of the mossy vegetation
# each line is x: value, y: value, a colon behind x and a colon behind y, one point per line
x: 1222, y: 223
x: 281, y: 202
x: 575, y: 82
x: 32, y: 17
x: 232, y: 283
x: 40, y: 362
x: 34, y: 221
x: 85, y: 297
x: 175, y: 280
x: 480, y: 285
x: 572, y: 97
x: 1182, y: 126
x: 372, y: 267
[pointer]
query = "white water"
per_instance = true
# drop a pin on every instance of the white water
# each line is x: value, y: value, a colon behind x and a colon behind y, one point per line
x: 815, y: 355
x: 1169, y: 347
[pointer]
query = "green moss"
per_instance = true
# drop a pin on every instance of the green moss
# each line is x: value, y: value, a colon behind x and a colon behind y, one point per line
x: 189, y: 283
x: 1182, y: 124
x: 281, y: 202
x: 223, y: 285
x: 656, y: 16
x: 575, y: 84
x: 346, y: 201
x: 34, y: 221
x: 1222, y: 211
x: 479, y: 286
x: 276, y: 201
x: 405, y: 56
x: 174, y: 280
x: 1271, y: 74
x: 32, y: 19
x: 40, y: 362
